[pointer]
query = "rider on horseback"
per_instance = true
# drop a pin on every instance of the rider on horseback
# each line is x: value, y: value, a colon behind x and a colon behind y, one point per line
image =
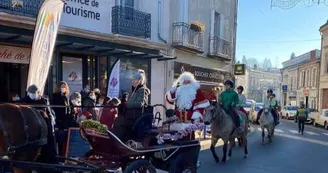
x: 229, y: 100
x: 242, y: 100
x: 272, y: 104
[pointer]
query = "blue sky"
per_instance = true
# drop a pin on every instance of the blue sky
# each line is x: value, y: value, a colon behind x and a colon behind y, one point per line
x: 264, y: 32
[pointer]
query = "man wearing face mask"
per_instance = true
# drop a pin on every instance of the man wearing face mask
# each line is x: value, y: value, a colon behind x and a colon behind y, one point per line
x: 33, y: 98
x: 48, y: 152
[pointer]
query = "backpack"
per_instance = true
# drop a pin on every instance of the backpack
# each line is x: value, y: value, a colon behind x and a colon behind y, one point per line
x: 302, y: 115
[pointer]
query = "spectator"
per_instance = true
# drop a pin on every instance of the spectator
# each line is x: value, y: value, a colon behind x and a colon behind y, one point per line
x: 88, y: 106
x: 85, y: 91
x: 63, y: 114
x: 110, y: 112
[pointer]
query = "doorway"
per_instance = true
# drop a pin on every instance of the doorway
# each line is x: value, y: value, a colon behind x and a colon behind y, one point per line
x: 13, y: 78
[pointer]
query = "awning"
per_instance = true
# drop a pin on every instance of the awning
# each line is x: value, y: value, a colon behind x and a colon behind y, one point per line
x: 82, y: 45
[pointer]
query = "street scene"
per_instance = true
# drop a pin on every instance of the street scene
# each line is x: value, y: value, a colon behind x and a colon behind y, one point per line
x: 166, y: 86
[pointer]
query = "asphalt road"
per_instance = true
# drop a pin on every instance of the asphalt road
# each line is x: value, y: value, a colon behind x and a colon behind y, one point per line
x: 289, y: 152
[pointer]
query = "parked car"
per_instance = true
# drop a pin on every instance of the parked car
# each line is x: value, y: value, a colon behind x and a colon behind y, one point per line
x: 249, y: 108
x: 289, y: 112
x: 321, y: 119
x: 257, y: 108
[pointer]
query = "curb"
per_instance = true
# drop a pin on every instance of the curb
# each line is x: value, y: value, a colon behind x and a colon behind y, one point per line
x: 206, y: 144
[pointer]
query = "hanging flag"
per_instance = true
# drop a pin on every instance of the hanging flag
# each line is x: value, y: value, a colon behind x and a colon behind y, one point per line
x: 113, y: 89
x: 45, y: 34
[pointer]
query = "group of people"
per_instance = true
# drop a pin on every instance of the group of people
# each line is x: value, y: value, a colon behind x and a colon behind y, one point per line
x: 67, y: 110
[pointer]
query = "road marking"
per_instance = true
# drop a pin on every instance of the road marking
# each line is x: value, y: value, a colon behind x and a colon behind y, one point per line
x: 325, y: 134
x: 293, y: 131
x: 311, y: 133
x: 303, y: 139
x: 278, y: 130
x: 259, y: 129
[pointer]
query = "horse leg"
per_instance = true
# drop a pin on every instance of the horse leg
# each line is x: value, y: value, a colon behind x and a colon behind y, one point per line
x: 263, y: 134
x: 230, y: 148
x: 213, y: 143
x: 240, y: 142
x: 225, y: 148
x: 270, y: 132
x: 244, y: 138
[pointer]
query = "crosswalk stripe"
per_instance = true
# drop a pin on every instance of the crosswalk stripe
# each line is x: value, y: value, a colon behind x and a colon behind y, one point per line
x: 278, y: 130
x: 293, y: 131
x: 325, y: 134
x: 311, y: 133
x: 259, y: 129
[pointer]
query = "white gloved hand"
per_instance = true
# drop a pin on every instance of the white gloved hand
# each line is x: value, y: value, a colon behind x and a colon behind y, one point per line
x: 173, y: 90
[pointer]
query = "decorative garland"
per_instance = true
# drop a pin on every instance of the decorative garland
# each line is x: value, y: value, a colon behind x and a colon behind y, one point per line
x: 161, y: 138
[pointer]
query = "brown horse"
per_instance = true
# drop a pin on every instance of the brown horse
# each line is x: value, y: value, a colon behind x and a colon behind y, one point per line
x: 23, y: 131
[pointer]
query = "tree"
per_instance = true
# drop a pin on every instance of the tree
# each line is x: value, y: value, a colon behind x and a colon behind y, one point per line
x: 292, y: 56
x: 251, y: 62
x: 266, y: 64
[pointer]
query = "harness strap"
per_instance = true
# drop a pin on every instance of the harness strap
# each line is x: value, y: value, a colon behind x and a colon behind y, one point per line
x: 5, y: 134
x: 27, y: 136
x: 39, y: 121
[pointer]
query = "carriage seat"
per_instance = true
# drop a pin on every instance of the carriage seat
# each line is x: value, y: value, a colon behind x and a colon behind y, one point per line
x: 143, y: 125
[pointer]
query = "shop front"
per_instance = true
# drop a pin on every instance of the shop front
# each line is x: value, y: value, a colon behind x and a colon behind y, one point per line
x: 13, y: 71
x: 292, y: 95
x: 208, y: 78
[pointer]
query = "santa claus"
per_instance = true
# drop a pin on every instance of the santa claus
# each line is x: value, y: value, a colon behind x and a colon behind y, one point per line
x: 189, y: 100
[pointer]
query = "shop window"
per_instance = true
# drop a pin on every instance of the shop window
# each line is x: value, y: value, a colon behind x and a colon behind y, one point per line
x: 103, y: 75
x: 72, y: 73
x: 128, y: 68
x: 91, y: 72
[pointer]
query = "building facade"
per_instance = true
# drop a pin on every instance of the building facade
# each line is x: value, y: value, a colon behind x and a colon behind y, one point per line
x: 300, y: 76
x: 256, y: 82
x: 203, y: 38
x: 323, y: 88
x: 131, y: 30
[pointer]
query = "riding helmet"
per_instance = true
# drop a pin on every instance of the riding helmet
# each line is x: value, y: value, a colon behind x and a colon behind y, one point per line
x: 229, y: 82
x: 240, y: 88
x: 270, y: 91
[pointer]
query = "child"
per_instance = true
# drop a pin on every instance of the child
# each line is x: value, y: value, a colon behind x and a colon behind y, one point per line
x: 110, y: 112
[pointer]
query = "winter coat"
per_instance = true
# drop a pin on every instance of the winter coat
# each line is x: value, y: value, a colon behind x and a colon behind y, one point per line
x: 229, y: 99
x: 63, y: 115
x: 89, y: 105
x: 28, y: 100
x: 108, y: 116
x: 138, y: 100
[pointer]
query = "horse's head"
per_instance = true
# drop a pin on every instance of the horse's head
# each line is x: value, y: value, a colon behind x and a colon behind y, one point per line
x: 212, y: 112
x: 266, y: 110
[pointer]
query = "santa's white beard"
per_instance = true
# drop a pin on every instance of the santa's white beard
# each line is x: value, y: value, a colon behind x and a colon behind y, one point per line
x: 186, y: 94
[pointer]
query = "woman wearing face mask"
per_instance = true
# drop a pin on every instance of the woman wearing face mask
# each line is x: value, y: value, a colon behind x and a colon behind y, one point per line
x: 89, y: 105
x: 76, y: 111
x: 60, y: 97
x: 63, y: 114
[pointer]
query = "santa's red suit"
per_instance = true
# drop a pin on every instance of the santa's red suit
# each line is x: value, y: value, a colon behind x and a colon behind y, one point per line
x: 196, y: 111
x: 188, y: 99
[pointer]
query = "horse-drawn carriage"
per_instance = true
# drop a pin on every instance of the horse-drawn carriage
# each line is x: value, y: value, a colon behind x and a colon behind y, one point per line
x: 150, y: 150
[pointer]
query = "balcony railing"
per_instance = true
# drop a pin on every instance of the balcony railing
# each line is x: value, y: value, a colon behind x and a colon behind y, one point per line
x: 220, y: 47
x: 131, y: 22
x: 185, y: 37
x: 28, y: 8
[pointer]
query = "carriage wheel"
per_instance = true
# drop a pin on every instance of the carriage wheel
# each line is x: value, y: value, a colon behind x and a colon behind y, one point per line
x: 182, y: 165
x: 140, y: 166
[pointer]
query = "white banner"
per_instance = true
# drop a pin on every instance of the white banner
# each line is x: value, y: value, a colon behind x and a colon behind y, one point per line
x: 113, y: 89
x: 12, y: 54
x: 44, y: 41
x: 91, y: 15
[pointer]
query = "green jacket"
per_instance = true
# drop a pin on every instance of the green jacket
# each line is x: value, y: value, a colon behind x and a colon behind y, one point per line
x: 301, y: 112
x: 229, y: 99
